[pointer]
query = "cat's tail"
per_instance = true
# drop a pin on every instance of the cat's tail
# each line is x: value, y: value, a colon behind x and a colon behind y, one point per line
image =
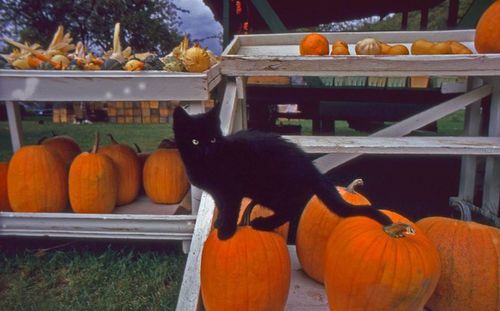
x: 332, y: 199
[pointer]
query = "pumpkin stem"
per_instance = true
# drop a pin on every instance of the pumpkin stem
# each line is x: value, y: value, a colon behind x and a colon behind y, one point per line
x: 41, y: 140
x: 245, y: 220
x: 137, y: 148
x: 356, y: 182
x: 53, y: 133
x: 167, y: 144
x: 96, y: 142
x: 399, y: 230
x: 113, y: 140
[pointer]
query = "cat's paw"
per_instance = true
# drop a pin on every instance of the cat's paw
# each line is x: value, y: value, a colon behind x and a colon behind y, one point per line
x: 262, y: 223
x: 226, y: 232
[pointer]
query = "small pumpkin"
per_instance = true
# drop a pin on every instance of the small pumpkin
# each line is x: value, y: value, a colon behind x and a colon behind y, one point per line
x: 134, y: 65
x: 340, y: 47
x: 470, y: 264
x: 196, y: 59
x: 128, y: 169
x: 314, y: 44
x: 368, y: 46
x: 66, y: 146
x: 61, y: 60
x: 4, y: 198
x: 164, y: 176
x: 368, y: 266
x: 488, y: 30
x: 458, y: 48
x: 92, y: 182
x: 37, y: 180
x: 426, y: 47
x: 315, y: 226
x: 249, y: 271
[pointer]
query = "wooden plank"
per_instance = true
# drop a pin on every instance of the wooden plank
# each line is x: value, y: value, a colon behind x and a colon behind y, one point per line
x: 228, y: 110
x: 15, y: 125
x: 189, y: 295
x: 330, y: 161
x: 399, y: 145
x: 270, y: 80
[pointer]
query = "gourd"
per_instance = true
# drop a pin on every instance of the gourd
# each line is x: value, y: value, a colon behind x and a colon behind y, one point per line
x: 37, y: 180
x: 458, y: 48
x: 64, y: 145
x: 172, y: 63
x: 398, y: 49
x: 92, y: 182
x: 153, y: 62
x: 340, y: 47
x: 470, y: 264
x: 314, y: 44
x: 368, y: 46
x: 249, y: 271
x: 128, y: 168
x: 368, y: 266
x: 4, y: 198
x: 164, y: 176
x: 134, y: 65
x: 315, y: 226
x: 488, y: 30
x: 426, y: 47
x: 118, y: 57
x: 196, y: 59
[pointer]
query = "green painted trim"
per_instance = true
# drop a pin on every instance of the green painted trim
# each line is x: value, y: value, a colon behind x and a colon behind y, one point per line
x: 269, y: 16
x: 225, y: 23
x: 471, y: 17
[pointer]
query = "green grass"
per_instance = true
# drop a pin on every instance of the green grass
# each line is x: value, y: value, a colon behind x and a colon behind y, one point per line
x: 81, y: 276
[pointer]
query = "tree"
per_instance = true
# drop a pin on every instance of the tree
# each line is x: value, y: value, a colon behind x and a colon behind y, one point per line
x: 146, y: 25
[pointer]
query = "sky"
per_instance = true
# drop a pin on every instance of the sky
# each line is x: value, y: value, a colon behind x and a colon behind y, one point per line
x: 200, y: 23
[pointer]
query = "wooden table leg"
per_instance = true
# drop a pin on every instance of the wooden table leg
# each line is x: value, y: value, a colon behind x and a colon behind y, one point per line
x: 15, y: 126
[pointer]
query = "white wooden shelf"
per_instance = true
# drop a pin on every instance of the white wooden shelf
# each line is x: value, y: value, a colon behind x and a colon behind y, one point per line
x: 399, y: 145
x: 141, y: 219
x: 104, y: 85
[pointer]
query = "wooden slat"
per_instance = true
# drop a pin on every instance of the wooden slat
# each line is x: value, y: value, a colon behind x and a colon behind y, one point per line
x: 399, y: 145
x: 15, y: 126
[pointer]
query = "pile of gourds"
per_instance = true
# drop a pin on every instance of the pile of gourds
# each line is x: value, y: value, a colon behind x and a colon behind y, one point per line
x: 437, y: 262
x: 62, y: 54
x: 88, y: 182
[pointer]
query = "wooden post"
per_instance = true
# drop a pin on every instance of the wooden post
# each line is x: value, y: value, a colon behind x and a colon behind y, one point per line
x: 452, y: 14
x: 15, y: 126
x: 424, y: 18
x: 404, y: 20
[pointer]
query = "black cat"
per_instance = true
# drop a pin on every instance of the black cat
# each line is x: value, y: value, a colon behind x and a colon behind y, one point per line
x: 262, y: 166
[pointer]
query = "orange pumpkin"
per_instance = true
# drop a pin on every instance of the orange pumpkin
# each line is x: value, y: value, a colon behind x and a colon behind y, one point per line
x: 64, y: 145
x: 314, y: 44
x: 164, y: 176
x: 249, y: 271
x: 340, y: 47
x: 93, y: 183
x: 371, y: 267
x: 37, y: 180
x: 128, y: 170
x: 470, y: 264
x: 4, y: 199
x: 488, y: 30
x: 316, y: 224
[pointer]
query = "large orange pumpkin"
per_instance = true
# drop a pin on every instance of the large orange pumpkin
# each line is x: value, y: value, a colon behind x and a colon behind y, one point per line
x: 4, y: 199
x: 488, y: 30
x: 37, y: 180
x: 371, y: 267
x: 314, y: 44
x: 249, y: 271
x: 128, y: 170
x: 64, y: 145
x: 470, y: 264
x: 316, y: 224
x: 93, y: 183
x: 164, y: 176
x: 262, y: 211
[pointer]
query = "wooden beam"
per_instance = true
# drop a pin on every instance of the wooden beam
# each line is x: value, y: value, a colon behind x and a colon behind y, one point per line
x: 452, y: 14
x: 424, y: 18
x: 404, y: 20
x: 269, y: 15
x: 15, y: 125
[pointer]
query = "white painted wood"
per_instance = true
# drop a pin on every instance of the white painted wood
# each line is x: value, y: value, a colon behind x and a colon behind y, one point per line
x: 228, y: 109
x: 399, y: 145
x: 305, y: 294
x: 98, y: 226
x: 41, y: 85
x: 241, y: 121
x: 144, y: 206
x: 402, y: 128
x: 472, y: 125
x: 189, y: 296
x: 15, y: 125
x: 491, y: 187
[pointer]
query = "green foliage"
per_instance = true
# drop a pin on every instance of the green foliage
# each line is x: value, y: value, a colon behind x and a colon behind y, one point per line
x: 146, y: 25
x: 81, y: 277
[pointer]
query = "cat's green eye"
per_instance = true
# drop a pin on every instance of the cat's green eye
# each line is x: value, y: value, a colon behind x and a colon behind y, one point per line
x: 212, y: 140
x: 195, y: 142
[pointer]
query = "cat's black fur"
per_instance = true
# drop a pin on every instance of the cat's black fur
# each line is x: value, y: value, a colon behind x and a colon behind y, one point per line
x: 262, y: 166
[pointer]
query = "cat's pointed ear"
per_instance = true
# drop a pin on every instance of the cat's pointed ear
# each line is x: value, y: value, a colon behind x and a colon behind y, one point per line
x: 180, y: 114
